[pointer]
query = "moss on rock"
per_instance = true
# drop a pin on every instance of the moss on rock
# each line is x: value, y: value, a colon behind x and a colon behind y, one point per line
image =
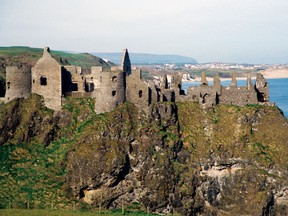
x: 179, y: 158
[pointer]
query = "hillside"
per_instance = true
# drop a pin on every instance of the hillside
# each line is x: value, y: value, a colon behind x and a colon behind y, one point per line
x: 179, y: 158
x: 146, y: 59
x: 29, y: 56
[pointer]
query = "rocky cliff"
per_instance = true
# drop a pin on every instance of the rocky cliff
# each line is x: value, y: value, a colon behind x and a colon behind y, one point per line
x: 178, y: 159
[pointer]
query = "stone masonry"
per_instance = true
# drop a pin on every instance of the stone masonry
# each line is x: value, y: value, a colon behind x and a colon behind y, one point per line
x: 47, y: 80
x: 18, y: 82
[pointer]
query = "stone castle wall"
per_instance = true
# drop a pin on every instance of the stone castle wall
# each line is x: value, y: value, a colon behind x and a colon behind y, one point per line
x: 204, y: 95
x: 239, y: 96
x: 73, y: 80
x: 138, y: 92
x: 18, y: 82
x: 209, y: 96
x: 47, y: 80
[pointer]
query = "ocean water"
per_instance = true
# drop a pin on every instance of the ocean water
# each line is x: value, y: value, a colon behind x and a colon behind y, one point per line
x: 278, y: 91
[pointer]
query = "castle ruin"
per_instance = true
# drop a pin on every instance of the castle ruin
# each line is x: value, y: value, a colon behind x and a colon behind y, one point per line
x: 112, y: 87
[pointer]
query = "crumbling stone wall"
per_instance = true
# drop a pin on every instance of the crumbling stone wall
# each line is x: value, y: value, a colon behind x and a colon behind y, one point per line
x: 138, y: 91
x: 47, y: 80
x: 18, y: 82
x: 95, y: 77
x: 92, y: 80
x: 154, y: 93
x: 73, y: 80
x: 239, y: 96
x: 175, y: 83
x: 209, y: 96
x: 205, y: 95
x: 262, y: 88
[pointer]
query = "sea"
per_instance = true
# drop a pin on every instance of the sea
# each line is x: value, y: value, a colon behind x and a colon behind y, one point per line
x: 278, y: 90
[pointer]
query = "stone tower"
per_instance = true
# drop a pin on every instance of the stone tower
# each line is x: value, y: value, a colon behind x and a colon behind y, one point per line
x: 18, y: 82
x: 125, y: 62
x: 109, y: 89
x: 47, y: 80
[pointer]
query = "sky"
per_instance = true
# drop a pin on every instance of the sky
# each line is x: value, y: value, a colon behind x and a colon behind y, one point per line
x: 238, y: 31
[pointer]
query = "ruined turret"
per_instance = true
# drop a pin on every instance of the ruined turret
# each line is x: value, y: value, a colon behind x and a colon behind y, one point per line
x: 203, y: 78
x: 233, y: 80
x: 217, y: 84
x: 125, y: 62
x: 249, y: 82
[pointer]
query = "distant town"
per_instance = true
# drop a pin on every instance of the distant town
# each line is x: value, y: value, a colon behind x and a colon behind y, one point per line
x: 220, y: 66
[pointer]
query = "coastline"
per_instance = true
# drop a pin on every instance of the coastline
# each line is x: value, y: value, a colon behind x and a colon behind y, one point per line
x: 268, y: 74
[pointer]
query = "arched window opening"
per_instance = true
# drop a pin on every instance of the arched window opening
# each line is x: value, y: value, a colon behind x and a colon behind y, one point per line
x: 114, y: 79
x: 113, y: 93
x: 204, y: 98
x: 140, y: 94
x: 43, y: 80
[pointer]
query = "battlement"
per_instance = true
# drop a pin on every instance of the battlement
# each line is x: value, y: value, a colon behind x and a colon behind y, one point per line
x: 112, y: 87
x: 232, y: 95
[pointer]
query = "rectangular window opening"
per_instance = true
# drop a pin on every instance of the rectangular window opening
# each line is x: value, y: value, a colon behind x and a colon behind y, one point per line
x: 74, y: 87
x: 43, y: 80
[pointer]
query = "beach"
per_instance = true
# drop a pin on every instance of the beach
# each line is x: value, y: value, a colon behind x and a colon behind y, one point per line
x: 272, y: 73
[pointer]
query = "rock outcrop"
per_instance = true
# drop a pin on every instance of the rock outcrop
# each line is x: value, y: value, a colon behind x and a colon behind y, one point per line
x: 179, y: 158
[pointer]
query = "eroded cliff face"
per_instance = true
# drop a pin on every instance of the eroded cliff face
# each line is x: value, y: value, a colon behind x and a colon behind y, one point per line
x: 180, y: 158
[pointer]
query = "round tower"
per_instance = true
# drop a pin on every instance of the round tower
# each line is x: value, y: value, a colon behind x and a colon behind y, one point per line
x: 111, y: 90
x: 18, y: 82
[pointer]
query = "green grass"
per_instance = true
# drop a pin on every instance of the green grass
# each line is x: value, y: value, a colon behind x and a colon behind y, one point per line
x: 33, y: 54
x: 17, y: 50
